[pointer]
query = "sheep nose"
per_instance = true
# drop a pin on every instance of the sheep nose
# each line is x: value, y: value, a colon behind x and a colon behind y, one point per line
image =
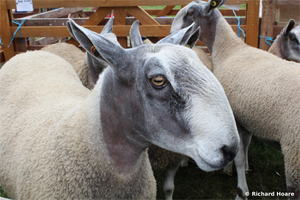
x: 229, y: 153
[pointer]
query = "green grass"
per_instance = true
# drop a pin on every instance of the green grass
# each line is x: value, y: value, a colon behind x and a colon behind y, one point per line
x: 267, y: 175
x: 2, y: 193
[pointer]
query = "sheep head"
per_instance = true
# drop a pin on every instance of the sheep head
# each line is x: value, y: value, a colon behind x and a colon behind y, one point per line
x: 162, y: 94
x: 289, y: 42
x: 201, y: 13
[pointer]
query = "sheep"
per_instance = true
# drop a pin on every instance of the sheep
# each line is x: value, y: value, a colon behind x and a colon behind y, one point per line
x: 263, y: 90
x: 287, y: 43
x: 161, y: 158
x: 61, y: 140
x: 87, y: 67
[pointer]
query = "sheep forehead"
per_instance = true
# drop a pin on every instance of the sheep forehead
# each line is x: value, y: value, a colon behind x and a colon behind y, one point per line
x: 183, y: 68
x: 110, y: 36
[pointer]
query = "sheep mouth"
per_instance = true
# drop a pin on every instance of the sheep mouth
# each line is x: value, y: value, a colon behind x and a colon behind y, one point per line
x: 208, y: 166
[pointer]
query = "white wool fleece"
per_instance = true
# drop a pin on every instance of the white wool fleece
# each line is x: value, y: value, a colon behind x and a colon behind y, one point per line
x: 50, y: 135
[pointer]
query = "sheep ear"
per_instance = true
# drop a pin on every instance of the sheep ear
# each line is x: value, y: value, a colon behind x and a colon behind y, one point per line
x: 288, y: 27
x: 135, y: 35
x: 194, y: 38
x: 179, y: 37
x: 71, y: 31
x: 97, y: 45
x: 212, y: 4
x: 108, y: 26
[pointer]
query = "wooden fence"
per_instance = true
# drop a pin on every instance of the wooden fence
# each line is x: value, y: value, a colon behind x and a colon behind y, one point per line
x: 275, y: 15
x: 152, y: 25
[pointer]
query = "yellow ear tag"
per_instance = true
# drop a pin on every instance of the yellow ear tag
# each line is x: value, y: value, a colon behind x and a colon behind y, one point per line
x: 187, y: 45
x: 213, y: 3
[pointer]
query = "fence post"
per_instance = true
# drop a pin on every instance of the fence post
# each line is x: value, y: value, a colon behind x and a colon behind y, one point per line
x: 252, y: 22
x: 267, y: 22
x: 6, y: 34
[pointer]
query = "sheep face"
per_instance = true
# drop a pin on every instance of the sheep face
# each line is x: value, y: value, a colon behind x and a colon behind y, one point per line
x: 289, y: 45
x: 163, y: 95
x: 201, y: 13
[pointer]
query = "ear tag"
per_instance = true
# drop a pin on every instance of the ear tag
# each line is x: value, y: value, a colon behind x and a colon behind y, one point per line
x: 213, y: 3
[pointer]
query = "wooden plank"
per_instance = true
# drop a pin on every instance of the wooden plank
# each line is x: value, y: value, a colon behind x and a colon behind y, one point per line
x: 11, y: 4
x: 51, y: 21
x: 156, y: 11
x: 61, y: 31
x: 267, y: 22
x: 119, y: 30
x: 2, y: 56
x: 277, y: 30
x: 120, y: 19
x: 228, y: 12
x: 289, y: 12
x: 6, y: 33
x: 141, y: 15
x: 129, y: 21
x: 99, y: 14
x: 120, y: 16
x: 59, y: 12
x: 252, y: 22
x: 288, y: 2
x: 165, y: 11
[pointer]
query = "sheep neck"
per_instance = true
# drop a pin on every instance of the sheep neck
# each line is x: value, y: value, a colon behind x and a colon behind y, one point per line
x: 219, y: 38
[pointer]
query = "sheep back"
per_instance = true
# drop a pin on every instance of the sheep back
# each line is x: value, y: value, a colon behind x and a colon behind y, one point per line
x: 50, y: 135
x: 75, y: 57
x: 205, y: 59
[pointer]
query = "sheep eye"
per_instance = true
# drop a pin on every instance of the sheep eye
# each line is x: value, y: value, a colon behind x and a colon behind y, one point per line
x: 190, y: 13
x: 94, y: 52
x: 292, y: 37
x: 213, y: 3
x: 159, y: 81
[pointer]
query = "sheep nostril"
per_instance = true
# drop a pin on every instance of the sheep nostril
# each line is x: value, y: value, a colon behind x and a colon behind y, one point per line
x: 228, y: 152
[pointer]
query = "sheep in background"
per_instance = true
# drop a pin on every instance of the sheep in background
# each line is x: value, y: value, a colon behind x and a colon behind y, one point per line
x: 287, y: 43
x: 59, y: 140
x: 87, y: 67
x: 263, y: 90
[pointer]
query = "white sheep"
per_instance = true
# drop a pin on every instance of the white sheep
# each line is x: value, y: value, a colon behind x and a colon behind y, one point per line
x: 87, y: 67
x: 60, y: 140
x: 262, y: 89
x: 287, y: 43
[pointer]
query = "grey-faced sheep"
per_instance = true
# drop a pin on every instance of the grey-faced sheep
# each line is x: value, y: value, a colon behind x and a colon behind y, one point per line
x: 87, y: 67
x: 263, y: 90
x: 287, y: 43
x: 60, y: 140
x: 159, y: 158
